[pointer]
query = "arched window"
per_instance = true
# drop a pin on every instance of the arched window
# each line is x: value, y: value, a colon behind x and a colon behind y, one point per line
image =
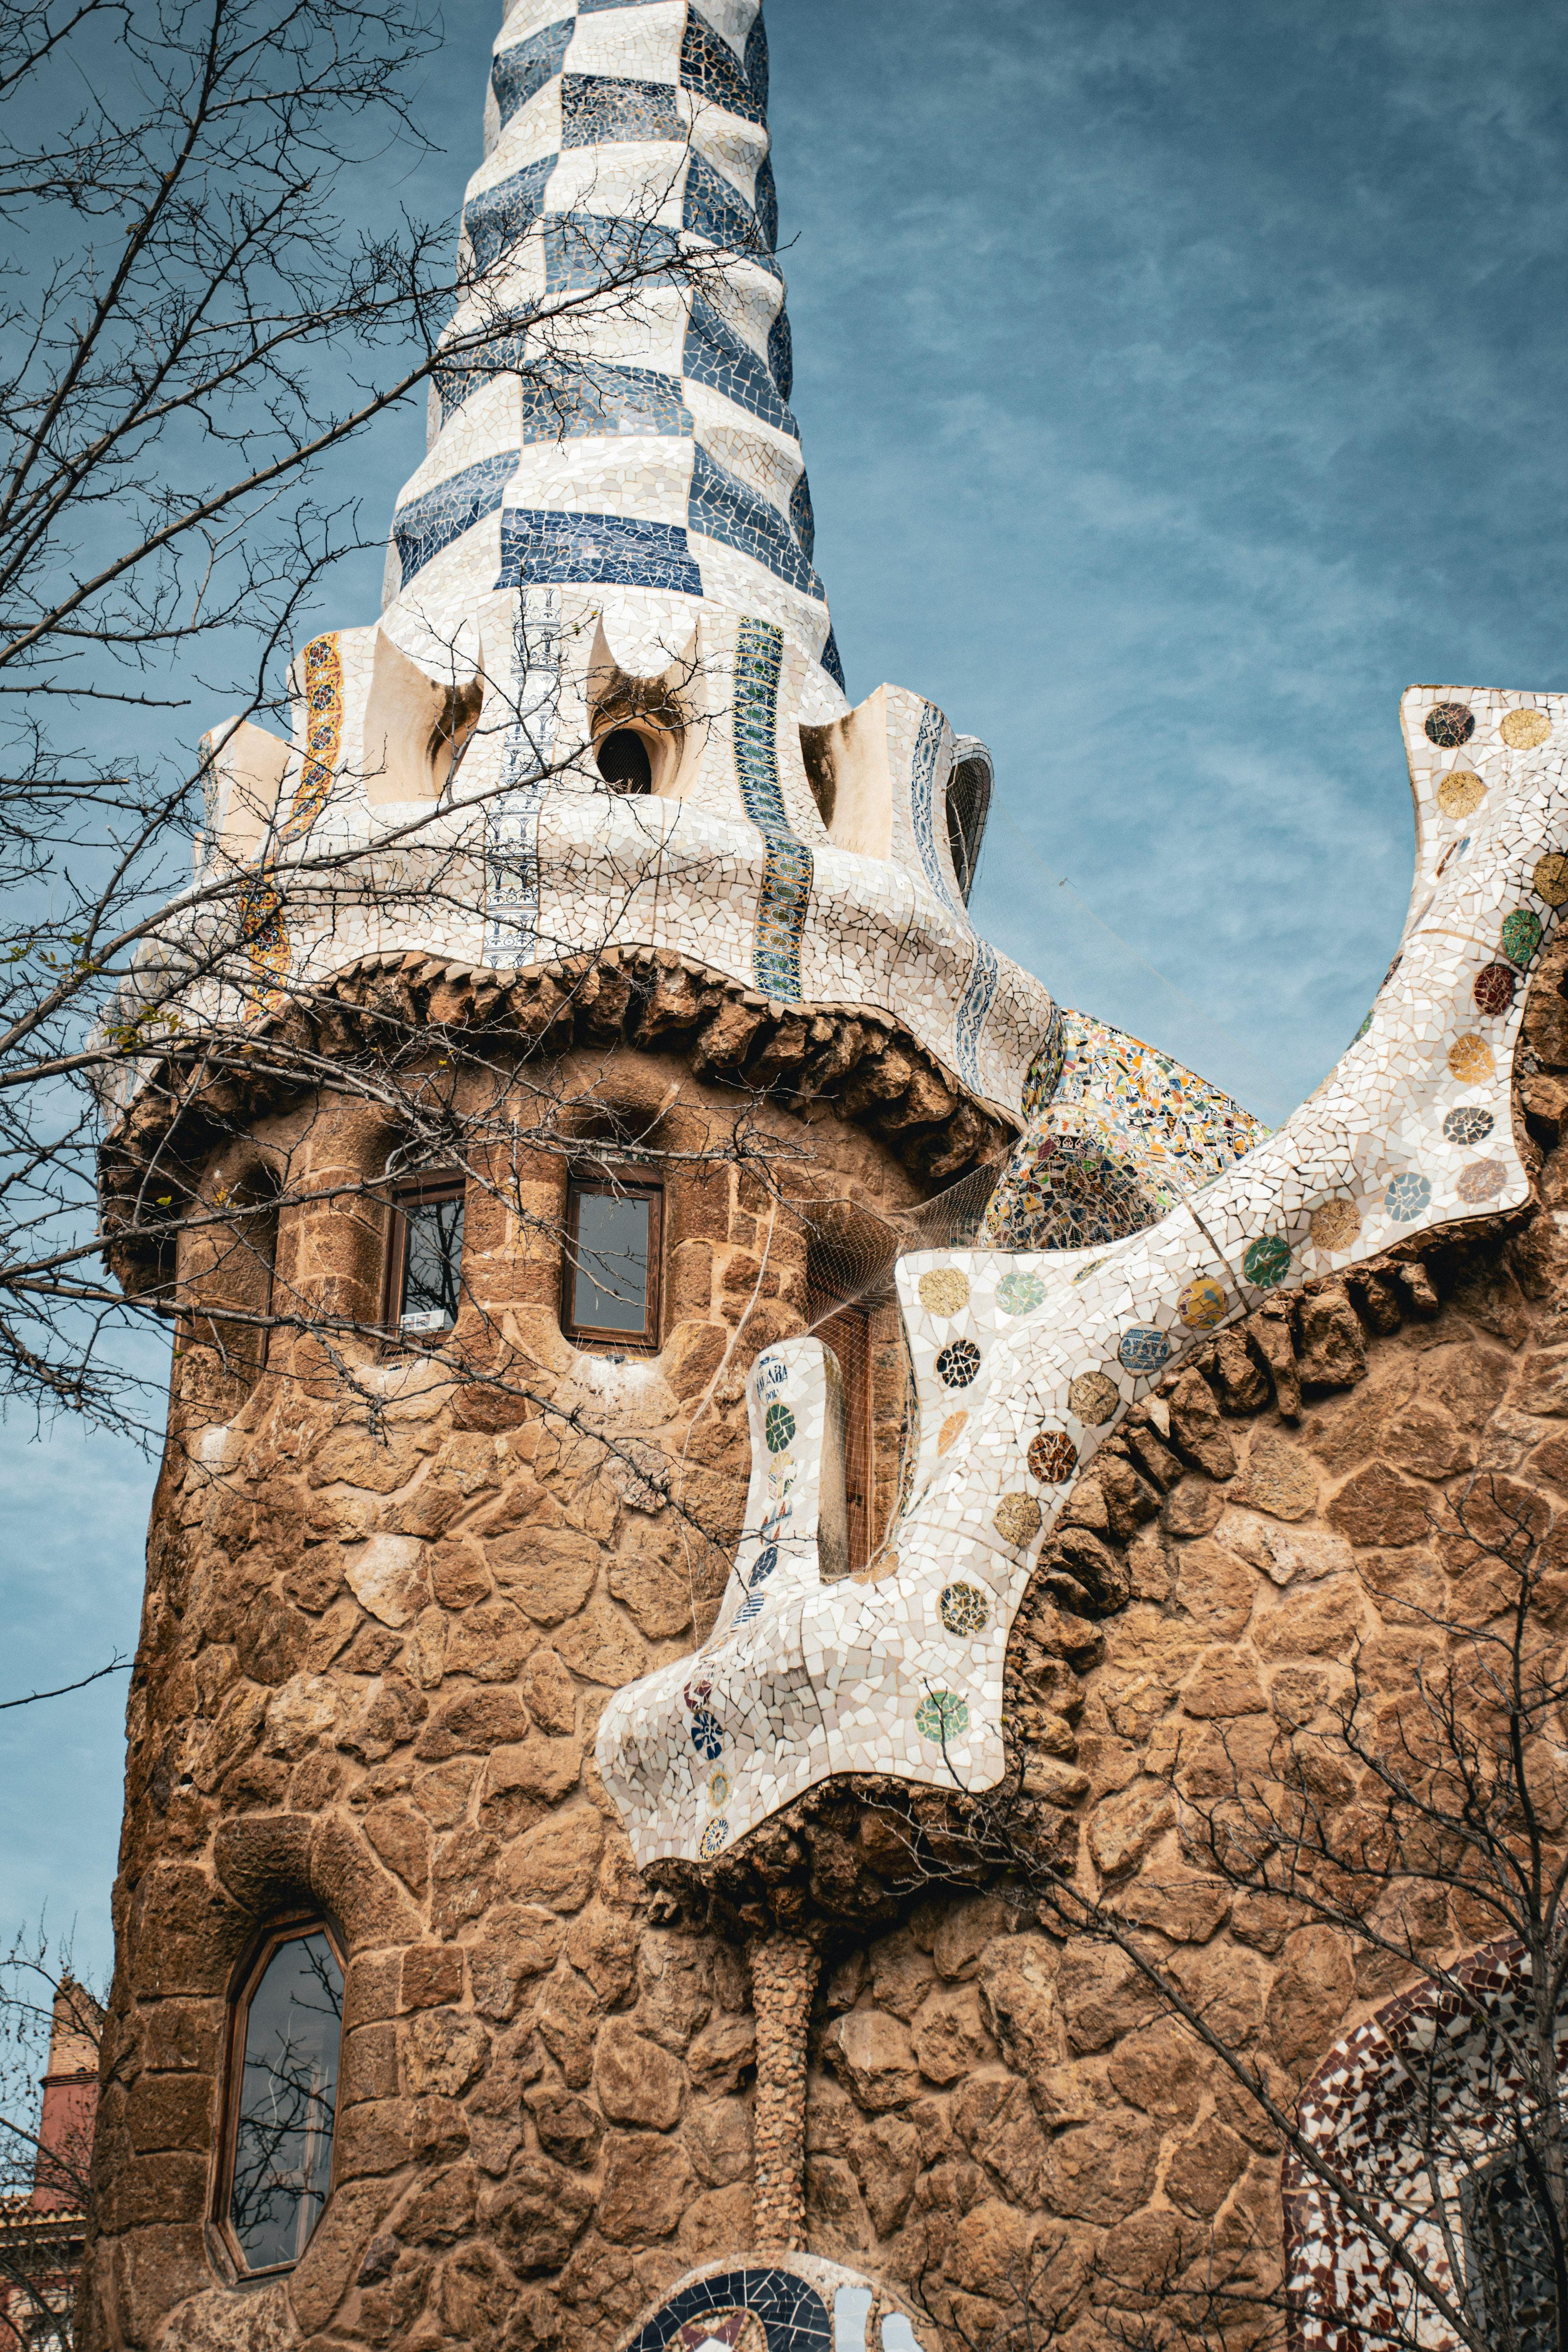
x: 968, y: 804
x: 282, y: 2096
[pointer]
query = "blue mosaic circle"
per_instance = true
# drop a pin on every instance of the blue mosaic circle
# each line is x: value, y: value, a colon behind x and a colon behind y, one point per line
x: 1467, y: 1125
x: 778, y: 1427
x: 1019, y: 1293
x: 766, y: 1563
x: 715, y: 1837
x: 1407, y: 1196
x: 707, y: 1736
x: 942, y: 1714
x: 956, y: 1365
x: 1266, y: 1262
x: 1144, y: 1348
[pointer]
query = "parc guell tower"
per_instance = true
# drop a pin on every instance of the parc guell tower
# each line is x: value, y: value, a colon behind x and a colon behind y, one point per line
x: 722, y: 1445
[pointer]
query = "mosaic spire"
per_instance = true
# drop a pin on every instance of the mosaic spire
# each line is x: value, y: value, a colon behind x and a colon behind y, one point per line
x: 659, y: 454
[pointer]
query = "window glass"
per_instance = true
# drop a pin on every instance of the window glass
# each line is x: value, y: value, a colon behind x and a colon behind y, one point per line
x: 432, y: 1263
x: 287, y: 2097
x: 610, y: 1273
x: 1508, y: 2241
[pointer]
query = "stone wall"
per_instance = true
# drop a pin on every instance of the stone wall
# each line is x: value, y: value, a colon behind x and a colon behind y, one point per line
x: 372, y: 1664
x: 989, y: 2102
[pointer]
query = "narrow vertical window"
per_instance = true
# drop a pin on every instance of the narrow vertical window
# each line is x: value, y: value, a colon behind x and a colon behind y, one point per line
x: 426, y: 1262
x: 847, y: 1331
x: 612, y: 1262
x: 283, y: 2095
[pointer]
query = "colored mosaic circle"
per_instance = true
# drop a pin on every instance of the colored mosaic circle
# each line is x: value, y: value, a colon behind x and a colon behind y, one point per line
x: 1494, y: 988
x: 1143, y: 1348
x: 1335, y: 1226
x: 1468, y: 1125
x: 965, y: 1609
x: 1459, y: 792
x: 956, y: 1365
x: 1521, y: 935
x: 778, y: 1427
x: 714, y: 1838
x: 1549, y: 879
x: 718, y: 1791
x: 707, y: 1736
x: 1522, y: 730
x: 1093, y: 1399
x: 697, y: 1695
x: 1018, y: 1518
x: 1408, y: 1197
x: 1019, y: 1293
x: 1052, y: 1457
x: 768, y: 1561
x: 1483, y: 1179
x: 1449, y: 724
x: 1201, y: 1304
x: 944, y: 1291
x: 942, y: 1714
x: 951, y: 1430
x: 1266, y: 1262
x: 1470, y: 1059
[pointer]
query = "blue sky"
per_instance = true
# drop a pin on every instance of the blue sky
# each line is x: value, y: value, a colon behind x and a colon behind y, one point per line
x: 1178, y: 384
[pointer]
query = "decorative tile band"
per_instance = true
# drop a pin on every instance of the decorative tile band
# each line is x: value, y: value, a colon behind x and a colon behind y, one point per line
x: 979, y: 995
x: 324, y: 733
x: 727, y: 510
x: 786, y: 882
x: 520, y: 72
x: 922, y: 804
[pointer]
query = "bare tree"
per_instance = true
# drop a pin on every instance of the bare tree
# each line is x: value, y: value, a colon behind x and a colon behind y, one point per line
x: 199, y: 341
x: 1426, y: 1827
x: 49, y: 2022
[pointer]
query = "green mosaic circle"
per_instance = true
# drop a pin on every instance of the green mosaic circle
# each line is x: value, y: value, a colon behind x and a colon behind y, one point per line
x: 1019, y: 1293
x: 941, y: 1716
x: 1266, y: 1262
x: 778, y: 1427
x: 1521, y: 935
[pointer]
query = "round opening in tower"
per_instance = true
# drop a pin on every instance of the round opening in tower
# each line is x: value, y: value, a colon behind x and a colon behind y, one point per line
x: 622, y: 761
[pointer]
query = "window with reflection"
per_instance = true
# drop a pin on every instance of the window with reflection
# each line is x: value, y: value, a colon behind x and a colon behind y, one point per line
x: 425, y: 1272
x: 612, y: 1262
x: 283, y: 2095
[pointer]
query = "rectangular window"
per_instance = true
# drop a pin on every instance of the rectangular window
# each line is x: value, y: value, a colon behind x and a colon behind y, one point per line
x: 612, y: 1262
x: 426, y: 1263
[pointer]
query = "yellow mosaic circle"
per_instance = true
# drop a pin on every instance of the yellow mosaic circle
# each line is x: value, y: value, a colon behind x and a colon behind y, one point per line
x: 1093, y: 1398
x: 1459, y: 792
x: 1522, y: 730
x: 1335, y: 1226
x: 1549, y: 879
x: 951, y: 1430
x: 1018, y: 1518
x: 1200, y: 1305
x: 944, y: 1290
x: 1470, y: 1059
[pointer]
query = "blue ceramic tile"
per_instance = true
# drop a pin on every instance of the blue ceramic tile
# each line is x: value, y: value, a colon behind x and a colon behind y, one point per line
x: 725, y: 509
x: 497, y: 218
x: 427, y: 524
x: 539, y: 544
x: 605, y: 399
x: 715, y: 209
x: 582, y: 250
x: 599, y: 109
x: 710, y: 67
x: 716, y: 356
x: 520, y: 72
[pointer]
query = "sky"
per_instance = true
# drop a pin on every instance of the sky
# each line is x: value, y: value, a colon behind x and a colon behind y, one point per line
x: 1178, y: 383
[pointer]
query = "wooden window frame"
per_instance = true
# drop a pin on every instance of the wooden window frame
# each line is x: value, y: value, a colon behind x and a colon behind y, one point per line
x: 620, y: 1183
x: 292, y: 1927
x: 416, y: 1193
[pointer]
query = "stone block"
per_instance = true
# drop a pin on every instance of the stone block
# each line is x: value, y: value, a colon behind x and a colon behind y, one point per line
x: 1215, y: 1588
x: 1376, y: 1506
x: 518, y: 1940
x: 634, y: 2080
x: 873, y: 2056
x: 548, y: 1571
x: 1278, y: 1477
x: 949, y: 2039
x: 602, y: 1646
x: 648, y: 2184
x: 1104, y: 2170
x: 569, y: 2129
x: 1017, y: 1990
x: 536, y: 2214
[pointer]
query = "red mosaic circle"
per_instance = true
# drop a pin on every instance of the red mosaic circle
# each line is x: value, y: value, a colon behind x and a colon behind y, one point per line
x: 1494, y: 989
